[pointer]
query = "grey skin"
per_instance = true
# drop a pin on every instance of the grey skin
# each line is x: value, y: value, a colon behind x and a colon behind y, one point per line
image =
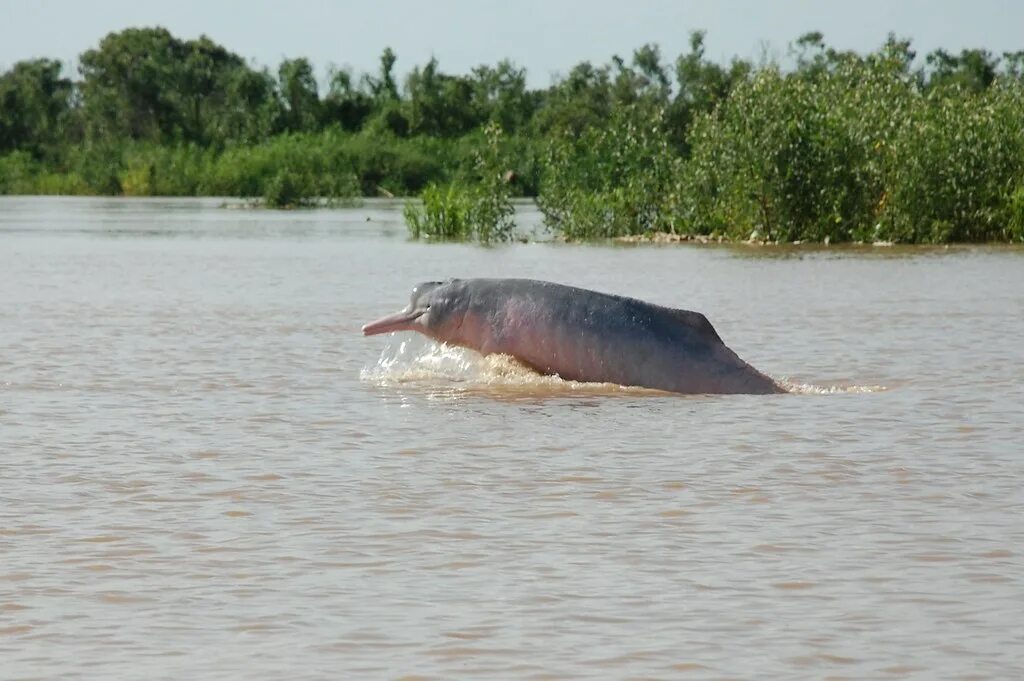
x: 579, y: 335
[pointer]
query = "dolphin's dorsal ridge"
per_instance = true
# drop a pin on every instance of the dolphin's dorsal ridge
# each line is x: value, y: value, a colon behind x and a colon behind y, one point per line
x: 699, y: 323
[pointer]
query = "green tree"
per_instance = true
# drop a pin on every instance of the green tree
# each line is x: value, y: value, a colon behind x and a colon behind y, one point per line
x: 701, y: 86
x: 35, y: 107
x: 816, y: 60
x: 500, y: 96
x: 203, y: 86
x: 145, y: 84
x: 440, y: 104
x: 251, y: 112
x: 974, y: 70
x: 383, y: 86
x: 129, y: 88
x: 345, y: 105
x: 580, y: 101
x: 389, y: 117
x: 1013, y: 65
x: 299, y: 94
x: 644, y: 78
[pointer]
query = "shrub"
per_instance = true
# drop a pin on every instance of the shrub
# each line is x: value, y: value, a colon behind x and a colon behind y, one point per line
x: 609, y: 181
x: 777, y: 161
x: 957, y: 169
x: 482, y: 210
x: 18, y: 172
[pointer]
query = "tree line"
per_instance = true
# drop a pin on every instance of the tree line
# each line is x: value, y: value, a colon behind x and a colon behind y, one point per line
x: 840, y: 145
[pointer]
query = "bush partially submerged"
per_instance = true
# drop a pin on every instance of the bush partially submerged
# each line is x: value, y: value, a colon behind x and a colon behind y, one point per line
x: 480, y: 211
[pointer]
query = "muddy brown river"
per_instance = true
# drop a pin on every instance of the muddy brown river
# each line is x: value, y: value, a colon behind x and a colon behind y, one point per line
x: 206, y: 472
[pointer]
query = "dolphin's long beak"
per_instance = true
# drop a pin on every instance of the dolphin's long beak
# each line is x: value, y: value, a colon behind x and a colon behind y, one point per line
x: 400, y: 321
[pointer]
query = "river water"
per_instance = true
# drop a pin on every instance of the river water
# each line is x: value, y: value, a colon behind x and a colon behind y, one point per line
x: 206, y: 472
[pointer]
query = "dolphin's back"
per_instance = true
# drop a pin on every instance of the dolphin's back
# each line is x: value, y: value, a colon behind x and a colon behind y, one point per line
x: 587, y: 335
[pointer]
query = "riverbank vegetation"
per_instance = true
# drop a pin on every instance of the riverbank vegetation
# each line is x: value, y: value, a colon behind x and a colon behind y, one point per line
x: 837, y: 146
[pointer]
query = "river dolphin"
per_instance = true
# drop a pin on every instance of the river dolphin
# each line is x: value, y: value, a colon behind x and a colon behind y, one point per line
x: 579, y: 335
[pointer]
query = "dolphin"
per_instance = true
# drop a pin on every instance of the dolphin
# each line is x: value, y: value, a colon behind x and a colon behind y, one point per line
x: 579, y: 335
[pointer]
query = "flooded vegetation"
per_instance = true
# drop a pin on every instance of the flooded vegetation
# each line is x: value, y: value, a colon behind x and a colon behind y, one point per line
x: 832, y: 146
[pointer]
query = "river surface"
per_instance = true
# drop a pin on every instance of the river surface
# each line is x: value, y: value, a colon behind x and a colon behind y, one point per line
x: 206, y: 472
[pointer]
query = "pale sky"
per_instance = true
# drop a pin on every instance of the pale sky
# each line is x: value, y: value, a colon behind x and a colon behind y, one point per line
x: 548, y: 37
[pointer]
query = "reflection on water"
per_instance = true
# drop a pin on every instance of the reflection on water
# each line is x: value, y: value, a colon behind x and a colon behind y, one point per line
x: 209, y: 473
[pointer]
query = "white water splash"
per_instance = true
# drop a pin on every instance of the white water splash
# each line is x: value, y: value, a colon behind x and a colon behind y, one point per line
x: 417, y: 361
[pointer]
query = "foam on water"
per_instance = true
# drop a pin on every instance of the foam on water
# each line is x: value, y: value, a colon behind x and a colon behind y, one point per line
x: 810, y: 389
